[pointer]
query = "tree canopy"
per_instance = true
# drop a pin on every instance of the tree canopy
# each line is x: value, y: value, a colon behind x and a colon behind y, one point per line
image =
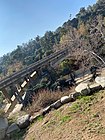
x: 86, y: 30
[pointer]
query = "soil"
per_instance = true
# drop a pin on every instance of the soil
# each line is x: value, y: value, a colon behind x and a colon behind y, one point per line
x: 81, y: 120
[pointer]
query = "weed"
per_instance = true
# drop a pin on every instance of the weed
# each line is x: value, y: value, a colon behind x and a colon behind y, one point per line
x: 40, y: 118
x: 75, y: 107
x: 86, y: 99
x: 57, y: 113
x: 65, y: 119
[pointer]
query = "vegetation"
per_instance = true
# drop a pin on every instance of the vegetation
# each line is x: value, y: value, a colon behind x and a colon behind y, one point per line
x: 84, y: 116
x: 43, y: 99
x: 18, y: 135
x: 85, y: 31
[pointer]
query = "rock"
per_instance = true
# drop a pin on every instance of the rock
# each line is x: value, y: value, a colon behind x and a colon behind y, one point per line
x: 65, y: 99
x: 75, y: 95
x: 95, y: 87
x: 23, y: 121
x: 34, y: 117
x: 83, y: 88
x: 3, y: 127
x: 100, y: 80
x: 56, y: 105
x: 46, y: 110
x: 72, y: 98
x: 12, y: 128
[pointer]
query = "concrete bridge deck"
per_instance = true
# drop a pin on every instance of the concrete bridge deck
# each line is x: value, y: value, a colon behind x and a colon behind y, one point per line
x: 31, y: 68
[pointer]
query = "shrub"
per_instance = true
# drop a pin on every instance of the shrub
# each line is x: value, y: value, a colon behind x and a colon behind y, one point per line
x: 43, y: 99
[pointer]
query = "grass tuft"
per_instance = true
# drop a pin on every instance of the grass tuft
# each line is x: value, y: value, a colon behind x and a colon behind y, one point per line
x: 65, y: 119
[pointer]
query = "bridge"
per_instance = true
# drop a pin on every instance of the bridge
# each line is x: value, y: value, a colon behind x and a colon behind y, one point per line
x: 16, y: 82
x: 13, y: 82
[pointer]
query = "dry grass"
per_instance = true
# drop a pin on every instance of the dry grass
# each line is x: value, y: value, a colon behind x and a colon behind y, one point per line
x: 83, y: 120
x: 43, y: 99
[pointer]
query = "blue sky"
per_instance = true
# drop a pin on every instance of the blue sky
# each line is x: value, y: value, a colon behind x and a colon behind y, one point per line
x: 21, y: 20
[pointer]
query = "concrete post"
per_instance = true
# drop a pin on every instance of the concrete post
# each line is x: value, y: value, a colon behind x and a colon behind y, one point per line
x: 16, y: 93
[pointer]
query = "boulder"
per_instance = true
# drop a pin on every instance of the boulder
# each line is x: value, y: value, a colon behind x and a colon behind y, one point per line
x: 100, y: 80
x: 65, y: 99
x: 34, y: 117
x: 46, y: 110
x: 83, y: 88
x: 56, y: 105
x: 23, y: 121
x: 75, y: 95
x: 3, y: 127
x: 95, y: 87
x: 12, y: 128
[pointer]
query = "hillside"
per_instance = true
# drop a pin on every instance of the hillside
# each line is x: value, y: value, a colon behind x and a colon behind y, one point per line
x: 85, y: 31
x: 81, y: 120
x: 82, y: 116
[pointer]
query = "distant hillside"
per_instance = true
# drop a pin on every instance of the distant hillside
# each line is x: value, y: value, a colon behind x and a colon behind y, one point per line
x: 86, y: 31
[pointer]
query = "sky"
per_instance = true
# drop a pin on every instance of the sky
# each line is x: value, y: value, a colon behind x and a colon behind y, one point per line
x: 22, y: 20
